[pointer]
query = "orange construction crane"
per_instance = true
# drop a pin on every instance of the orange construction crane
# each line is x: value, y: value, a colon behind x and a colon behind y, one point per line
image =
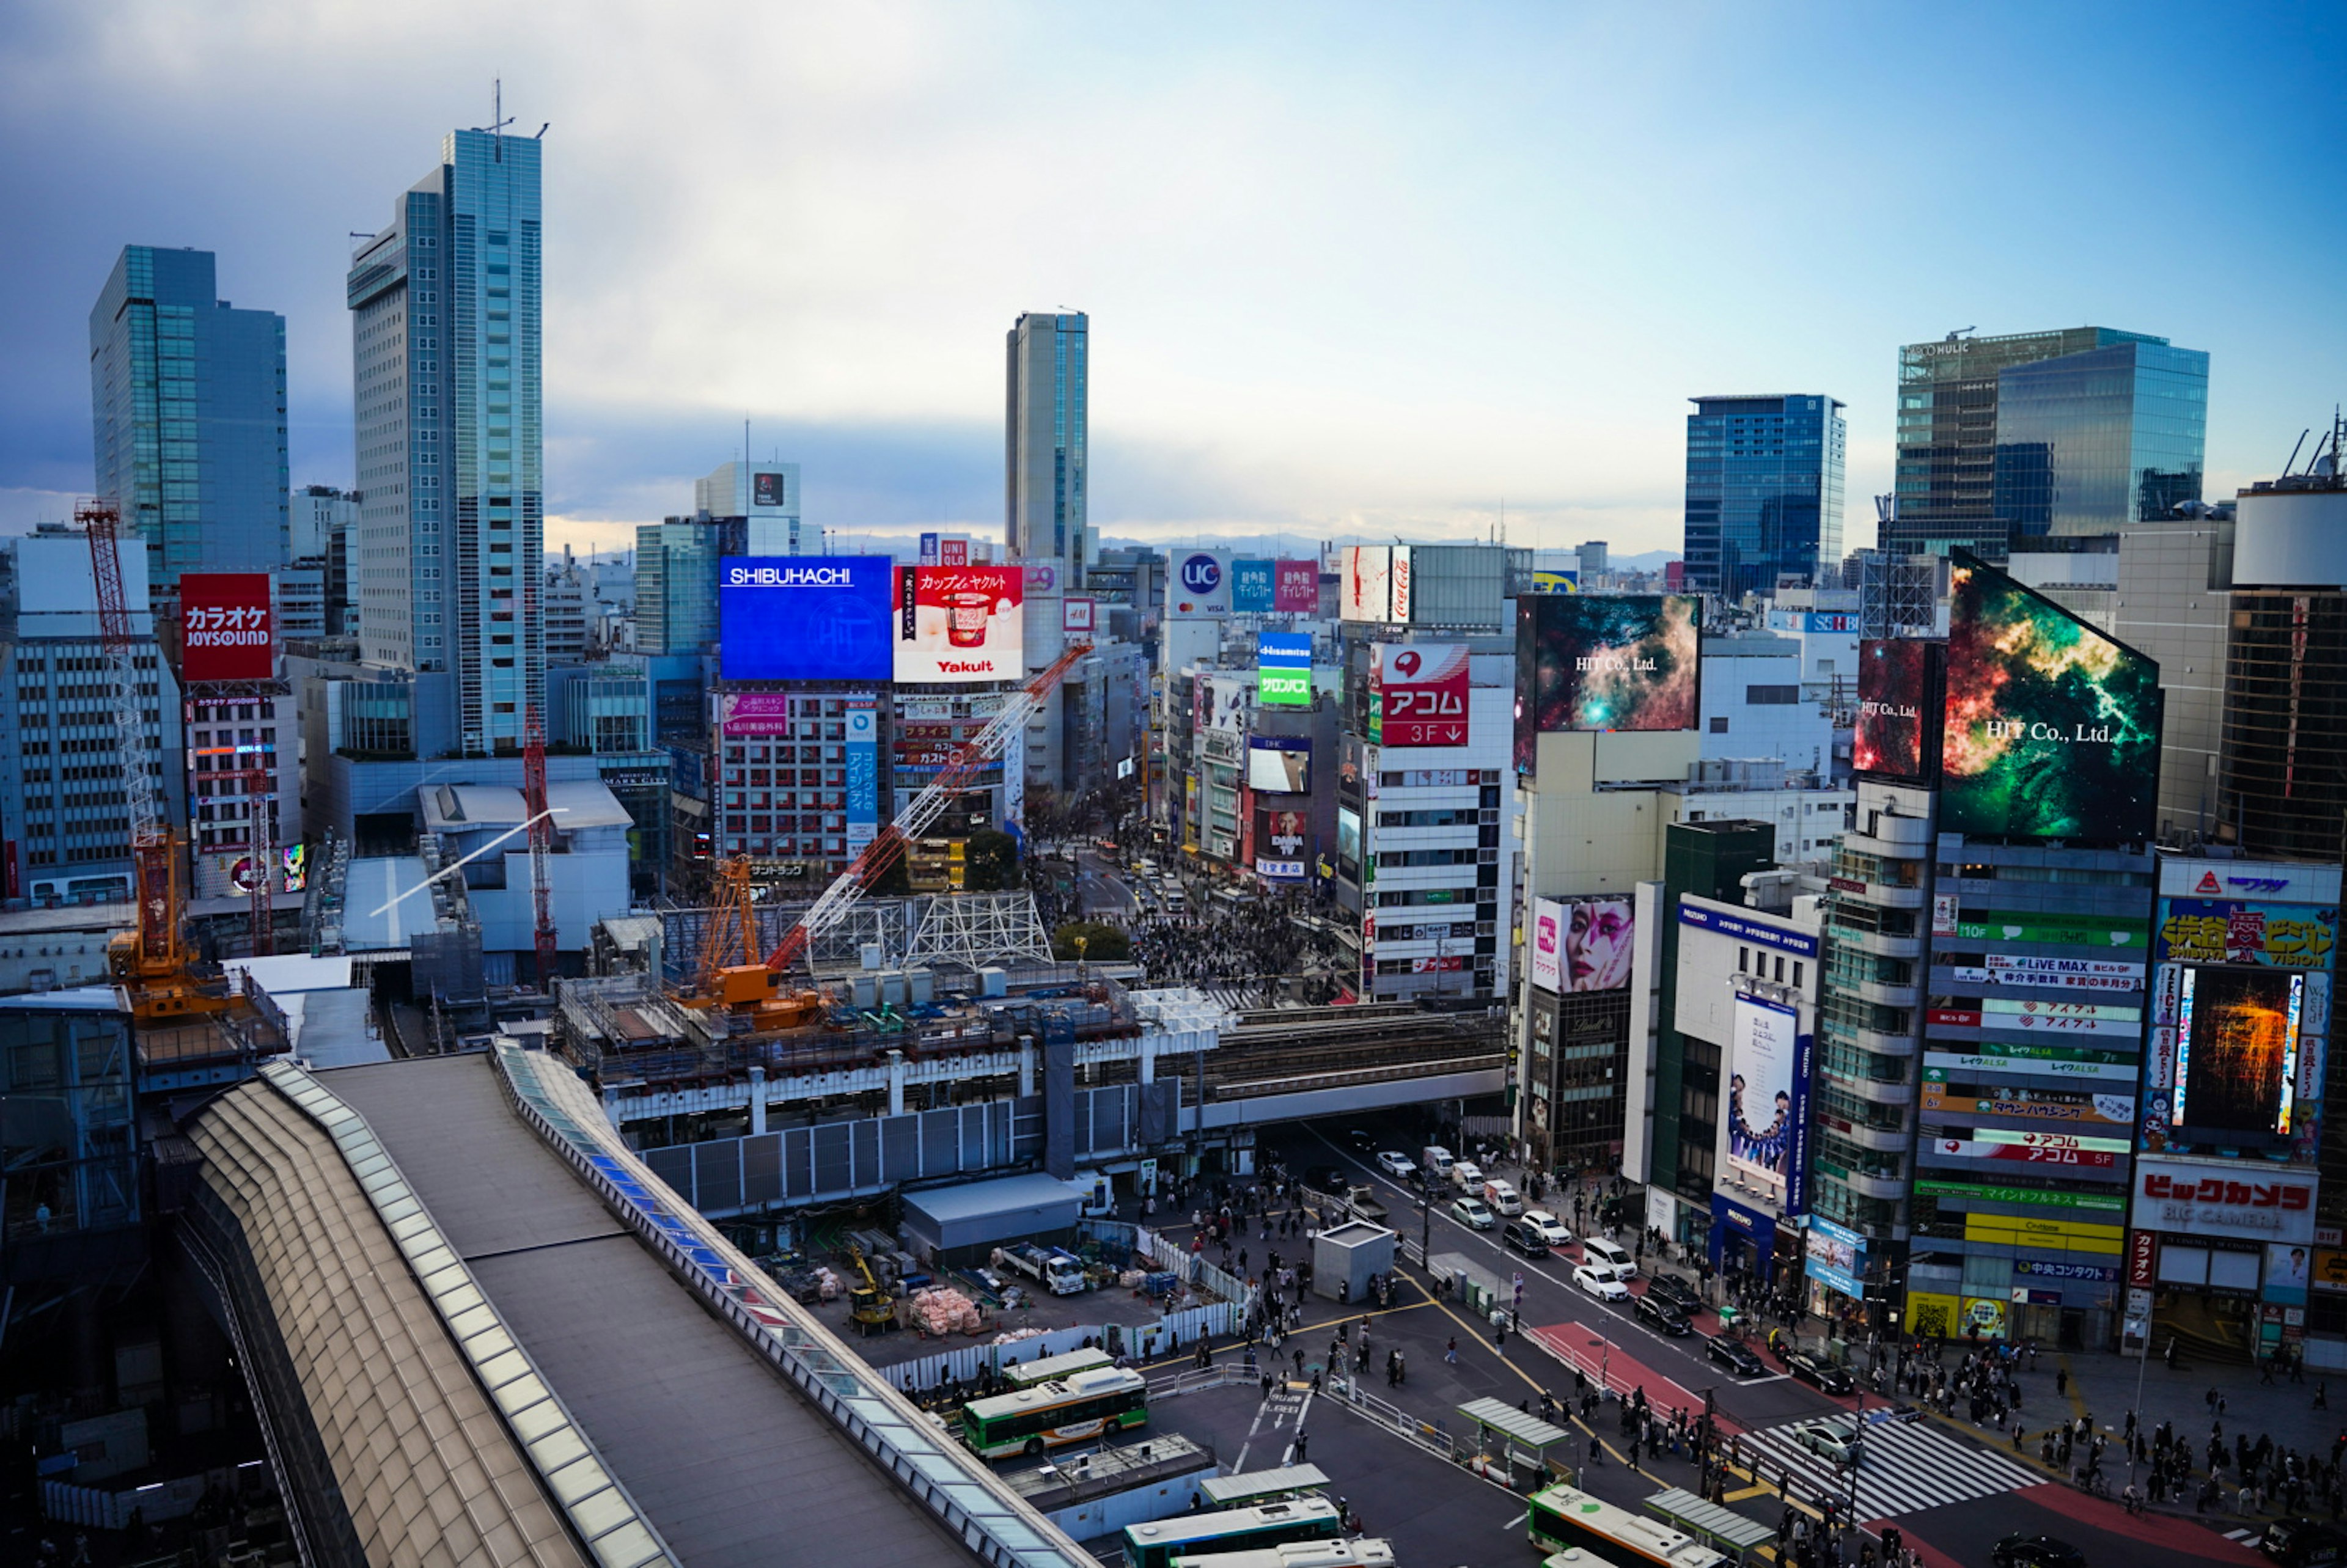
x: 541, y: 840
x: 150, y: 961
x: 729, y: 974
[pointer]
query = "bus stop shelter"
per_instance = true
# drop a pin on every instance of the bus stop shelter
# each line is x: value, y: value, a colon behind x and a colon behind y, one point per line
x: 1252, y: 1487
x: 1528, y: 1438
x: 1725, y: 1530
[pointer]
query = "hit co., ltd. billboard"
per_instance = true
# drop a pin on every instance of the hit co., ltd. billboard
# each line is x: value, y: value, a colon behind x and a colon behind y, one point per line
x: 1593, y: 661
x: 1899, y: 709
x: 2052, y: 729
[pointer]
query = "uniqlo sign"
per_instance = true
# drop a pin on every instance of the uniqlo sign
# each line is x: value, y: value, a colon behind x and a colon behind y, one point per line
x: 226, y: 630
x: 2249, y: 1203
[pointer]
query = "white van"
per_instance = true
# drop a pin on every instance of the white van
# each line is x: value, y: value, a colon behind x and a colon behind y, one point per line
x: 1467, y: 1176
x: 1600, y: 1254
x: 1502, y: 1197
x: 1436, y: 1159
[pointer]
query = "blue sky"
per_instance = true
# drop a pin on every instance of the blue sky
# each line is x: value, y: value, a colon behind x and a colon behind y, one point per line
x: 1350, y: 268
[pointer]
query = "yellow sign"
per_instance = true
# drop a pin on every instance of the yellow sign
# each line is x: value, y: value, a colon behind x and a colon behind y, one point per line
x: 2330, y: 1270
x: 2051, y: 1236
x: 1929, y: 1314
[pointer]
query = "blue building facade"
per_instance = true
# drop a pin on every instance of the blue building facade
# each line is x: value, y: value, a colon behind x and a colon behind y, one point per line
x: 1764, y: 491
x: 2006, y: 442
x: 188, y: 417
x: 446, y: 312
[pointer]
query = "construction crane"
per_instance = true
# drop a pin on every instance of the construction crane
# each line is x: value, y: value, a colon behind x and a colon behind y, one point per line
x: 923, y: 810
x: 868, y: 1304
x: 153, y: 960
x: 541, y: 841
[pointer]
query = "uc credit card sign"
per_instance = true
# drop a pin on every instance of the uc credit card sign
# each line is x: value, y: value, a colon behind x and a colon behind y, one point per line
x: 805, y: 618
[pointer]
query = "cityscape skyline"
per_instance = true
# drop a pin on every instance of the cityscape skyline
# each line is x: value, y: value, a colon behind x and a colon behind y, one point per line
x: 842, y: 311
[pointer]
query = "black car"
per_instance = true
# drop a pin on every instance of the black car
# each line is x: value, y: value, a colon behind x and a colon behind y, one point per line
x: 1735, y: 1356
x: 2302, y: 1543
x: 1833, y: 1379
x: 1676, y: 1291
x: 2035, y: 1551
x: 1660, y: 1313
x: 1518, y: 1236
x: 1363, y: 1141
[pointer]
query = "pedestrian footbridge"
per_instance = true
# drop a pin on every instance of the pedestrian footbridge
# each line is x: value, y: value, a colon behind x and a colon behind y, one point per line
x: 478, y: 1330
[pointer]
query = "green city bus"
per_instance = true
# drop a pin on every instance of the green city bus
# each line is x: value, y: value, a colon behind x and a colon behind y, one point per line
x: 1051, y: 1415
x: 1157, y: 1544
x: 1563, y: 1517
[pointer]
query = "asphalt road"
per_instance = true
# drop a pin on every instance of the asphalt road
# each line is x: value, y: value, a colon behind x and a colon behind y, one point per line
x: 1958, y: 1533
x: 1101, y: 888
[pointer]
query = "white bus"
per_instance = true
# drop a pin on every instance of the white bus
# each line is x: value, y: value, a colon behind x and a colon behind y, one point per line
x: 1051, y: 1369
x: 1563, y: 1517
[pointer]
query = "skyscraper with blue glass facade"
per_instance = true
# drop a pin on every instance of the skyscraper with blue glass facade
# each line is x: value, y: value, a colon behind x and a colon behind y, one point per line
x: 1045, y: 476
x: 188, y: 411
x: 2008, y: 442
x: 1764, y: 491
x: 446, y: 329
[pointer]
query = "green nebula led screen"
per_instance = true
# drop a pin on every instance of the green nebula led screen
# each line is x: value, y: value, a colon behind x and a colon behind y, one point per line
x: 2052, y: 728
x: 1605, y: 661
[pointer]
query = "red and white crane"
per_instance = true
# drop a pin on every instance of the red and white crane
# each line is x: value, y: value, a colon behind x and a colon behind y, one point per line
x: 921, y: 811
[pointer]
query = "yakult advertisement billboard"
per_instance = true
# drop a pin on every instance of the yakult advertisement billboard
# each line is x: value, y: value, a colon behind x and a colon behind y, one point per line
x: 228, y: 633
x: 960, y: 624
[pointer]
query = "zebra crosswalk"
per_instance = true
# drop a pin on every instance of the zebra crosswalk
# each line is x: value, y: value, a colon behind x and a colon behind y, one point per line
x: 1909, y: 1466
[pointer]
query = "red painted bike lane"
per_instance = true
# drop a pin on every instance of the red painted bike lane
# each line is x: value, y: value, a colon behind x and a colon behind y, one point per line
x: 1590, y: 1348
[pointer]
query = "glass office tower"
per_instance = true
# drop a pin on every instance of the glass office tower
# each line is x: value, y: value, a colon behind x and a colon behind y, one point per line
x: 445, y: 326
x: 1045, y: 431
x: 188, y: 411
x: 2005, y: 442
x: 1764, y: 491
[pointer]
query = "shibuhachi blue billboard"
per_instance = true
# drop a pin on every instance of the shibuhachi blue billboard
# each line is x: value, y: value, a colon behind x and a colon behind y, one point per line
x: 806, y: 618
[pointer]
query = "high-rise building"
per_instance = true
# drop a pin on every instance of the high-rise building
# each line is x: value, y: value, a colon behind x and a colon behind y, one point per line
x: 2283, y: 781
x: 2074, y: 433
x: 1044, y: 483
x: 187, y: 407
x: 1764, y: 481
x: 64, y: 830
x: 445, y: 327
x: 762, y: 497
x: 676, y: 585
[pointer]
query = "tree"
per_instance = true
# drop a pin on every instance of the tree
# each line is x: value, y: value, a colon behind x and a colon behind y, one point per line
x: 1102, y: 944
x: 990, y: 862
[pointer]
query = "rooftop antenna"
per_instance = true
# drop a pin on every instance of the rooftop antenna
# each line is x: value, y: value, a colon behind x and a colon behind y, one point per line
x: 499, y: 119
x: 1960, y: 332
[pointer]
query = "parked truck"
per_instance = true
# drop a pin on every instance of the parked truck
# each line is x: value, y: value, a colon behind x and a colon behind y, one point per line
x: 1056, y: 1270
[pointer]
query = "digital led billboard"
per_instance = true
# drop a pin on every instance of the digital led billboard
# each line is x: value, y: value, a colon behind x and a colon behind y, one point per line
x: 2052, y: 729
x: 1418, y: 694
x: 960, y: 624
x: 1280, y: 764
x: 1593, y: 661
x: 2237, y: 1041
x: 803, y: 618
x: 1899, y: 709
x: 226, y: 631
x: 1281, y: 837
